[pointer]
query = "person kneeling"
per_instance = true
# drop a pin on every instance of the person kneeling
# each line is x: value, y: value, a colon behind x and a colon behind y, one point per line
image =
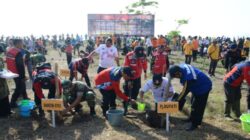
x: 159, y: 86
x: 76, y: 92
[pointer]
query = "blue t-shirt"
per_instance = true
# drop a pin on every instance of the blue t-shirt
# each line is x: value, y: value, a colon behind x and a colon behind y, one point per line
x: 198, y: 82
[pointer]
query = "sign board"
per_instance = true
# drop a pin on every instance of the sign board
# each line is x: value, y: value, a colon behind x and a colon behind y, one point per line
x: 64, y: 72
x: 168, y: 107
x: 52, y: 104
x: 121, y: 24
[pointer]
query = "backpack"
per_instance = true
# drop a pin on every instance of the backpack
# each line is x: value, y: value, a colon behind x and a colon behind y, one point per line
x: 45, y: 78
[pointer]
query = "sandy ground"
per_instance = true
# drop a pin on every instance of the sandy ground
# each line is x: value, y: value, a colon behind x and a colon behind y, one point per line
x: 85, y: 127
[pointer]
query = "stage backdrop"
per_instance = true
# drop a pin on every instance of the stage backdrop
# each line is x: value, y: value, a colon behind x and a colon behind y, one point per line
x: 120, y: 24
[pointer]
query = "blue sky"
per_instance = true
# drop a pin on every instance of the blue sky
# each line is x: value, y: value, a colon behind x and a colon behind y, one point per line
x: 206, y: 17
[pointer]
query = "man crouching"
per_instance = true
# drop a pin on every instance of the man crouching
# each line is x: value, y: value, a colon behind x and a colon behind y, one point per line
x: 76, y: 92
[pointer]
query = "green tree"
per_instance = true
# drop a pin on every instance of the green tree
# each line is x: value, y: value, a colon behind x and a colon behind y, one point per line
x: 177, y: 32
x: 139, y: 7
x: 181, y: 22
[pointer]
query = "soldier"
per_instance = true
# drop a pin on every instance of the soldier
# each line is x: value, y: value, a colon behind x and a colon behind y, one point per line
x: 76, y: 92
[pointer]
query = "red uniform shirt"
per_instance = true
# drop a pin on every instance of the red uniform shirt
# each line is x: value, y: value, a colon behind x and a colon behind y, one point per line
x: 160, y: 63
x: 109, y: 79
x: 69, y: 49
x: 238, y: 74
x: 136, y: 64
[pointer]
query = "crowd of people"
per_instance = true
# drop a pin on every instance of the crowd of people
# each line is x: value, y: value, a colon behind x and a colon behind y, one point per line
x: 141, y: 55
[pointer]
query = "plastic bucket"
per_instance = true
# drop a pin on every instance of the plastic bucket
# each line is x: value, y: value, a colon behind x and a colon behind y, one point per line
x: 141, y: 106
x: 115, y: 117
x: 245, y: 122
x: 25, y: 106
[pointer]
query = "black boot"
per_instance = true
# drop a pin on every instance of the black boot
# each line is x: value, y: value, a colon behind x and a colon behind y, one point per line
x: 125, y: 106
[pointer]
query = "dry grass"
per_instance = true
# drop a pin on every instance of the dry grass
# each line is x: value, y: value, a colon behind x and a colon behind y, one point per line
x: 85, y: 127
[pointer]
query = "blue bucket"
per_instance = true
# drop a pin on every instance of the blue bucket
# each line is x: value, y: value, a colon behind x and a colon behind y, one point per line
x: 24, y: 108
x: 115, y: 117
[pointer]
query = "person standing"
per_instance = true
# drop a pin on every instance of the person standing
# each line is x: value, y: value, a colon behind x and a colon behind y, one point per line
x: 149, y: 46
x: 15, y: 64
x: 137, y: 61
x: 68, y: 51
x: 232, y: 87
x: 196, y: 82
x: 108, y: 55
x: 214, y: 55
x: 195, y: 49
x: 160, y: 62
x: 188, y: 48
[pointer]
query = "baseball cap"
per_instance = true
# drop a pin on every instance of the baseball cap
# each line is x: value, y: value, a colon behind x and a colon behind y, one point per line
x: 157, y: 79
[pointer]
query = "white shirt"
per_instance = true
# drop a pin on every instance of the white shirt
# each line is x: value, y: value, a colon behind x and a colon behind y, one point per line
x: 107, y: 55
x: 159, y: 92
x: 148, y: 42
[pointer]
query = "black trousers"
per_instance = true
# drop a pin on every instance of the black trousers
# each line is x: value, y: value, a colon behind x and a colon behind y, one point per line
x: 4, y: 107
x: 198, y: 106
x: 232, y: 99
x: 149, y: 50
x: 86, y: 77
x: 188, y: 59
x: 19, y: 90
x: 108, y: 100
x: 100, y: 69
x: 69, y: 58
x: 134, y: 91
x: 195, y: 52
x: 212, y: 67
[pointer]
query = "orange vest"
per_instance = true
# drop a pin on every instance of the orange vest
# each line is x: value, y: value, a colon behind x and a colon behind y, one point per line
x: 11, y: 59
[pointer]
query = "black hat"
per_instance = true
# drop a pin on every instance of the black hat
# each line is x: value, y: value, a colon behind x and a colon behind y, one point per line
x: 173, y: 70
x: 139, y: 51
x: 157, y: 79
x: 127, y: 71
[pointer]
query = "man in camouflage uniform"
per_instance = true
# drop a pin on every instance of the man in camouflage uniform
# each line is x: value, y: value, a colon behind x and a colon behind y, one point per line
x: 76, y: 92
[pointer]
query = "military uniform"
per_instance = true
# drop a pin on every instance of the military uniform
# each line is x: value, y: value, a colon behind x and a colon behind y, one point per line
x: 82, y: 90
